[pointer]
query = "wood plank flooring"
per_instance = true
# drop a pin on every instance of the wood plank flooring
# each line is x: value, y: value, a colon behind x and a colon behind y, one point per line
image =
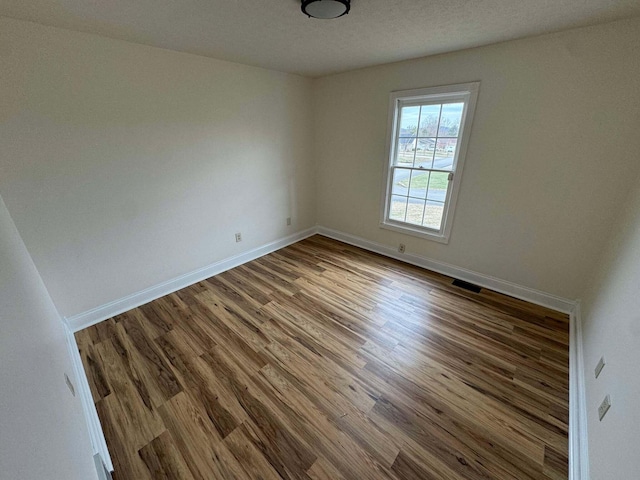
x: 322, y: 361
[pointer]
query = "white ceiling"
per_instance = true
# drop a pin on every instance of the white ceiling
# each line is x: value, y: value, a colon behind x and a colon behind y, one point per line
x: 275, y: 34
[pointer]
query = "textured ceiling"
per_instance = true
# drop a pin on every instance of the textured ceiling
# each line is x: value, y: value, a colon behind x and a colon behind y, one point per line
x: 274, y: 33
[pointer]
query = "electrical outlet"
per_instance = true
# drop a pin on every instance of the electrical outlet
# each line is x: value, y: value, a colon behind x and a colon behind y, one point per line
x: 288, y: 220
x: 238, y: 237
x: 604, y: 407
x: 67, y: 380
x: 599, y: 366
x: 401, y: 248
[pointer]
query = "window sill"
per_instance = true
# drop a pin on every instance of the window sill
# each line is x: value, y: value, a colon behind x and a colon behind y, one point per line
x: 415, y: 232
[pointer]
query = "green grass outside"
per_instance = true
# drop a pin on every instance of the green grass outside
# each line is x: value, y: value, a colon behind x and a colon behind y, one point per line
x: 407, y: 157
x: 431, y: 216
x: 439, y: 181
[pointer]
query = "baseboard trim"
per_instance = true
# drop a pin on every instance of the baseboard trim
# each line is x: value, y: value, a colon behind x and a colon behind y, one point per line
x: 108, y: 310
x: 502, y: 286
x: 96, y: 435
x: 578, y: 437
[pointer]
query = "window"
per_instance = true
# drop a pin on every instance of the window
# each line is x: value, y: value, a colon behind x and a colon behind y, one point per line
x: 428, y: 135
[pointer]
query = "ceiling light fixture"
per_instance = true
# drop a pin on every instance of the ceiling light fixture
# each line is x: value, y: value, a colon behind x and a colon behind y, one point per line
x: 326, y: 8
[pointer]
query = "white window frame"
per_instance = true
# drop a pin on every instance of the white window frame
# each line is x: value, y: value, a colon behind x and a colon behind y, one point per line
x: 465, y: 92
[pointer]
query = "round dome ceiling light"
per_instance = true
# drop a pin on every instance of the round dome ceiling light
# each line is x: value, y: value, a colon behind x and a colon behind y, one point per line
x: 325, y: 8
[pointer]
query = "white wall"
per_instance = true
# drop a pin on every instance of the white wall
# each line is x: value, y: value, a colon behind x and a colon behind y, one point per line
x: 549, y: 160
x: 124, y: 166
x: 42, y: 430
x: 611, y: 327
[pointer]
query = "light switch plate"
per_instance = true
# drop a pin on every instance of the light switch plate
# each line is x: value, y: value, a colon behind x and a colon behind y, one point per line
x: 600, y: 366
x: 604, y: 407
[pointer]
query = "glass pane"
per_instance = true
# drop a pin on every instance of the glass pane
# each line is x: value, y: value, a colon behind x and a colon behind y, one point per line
x: 429, y: 120
x: 438, y: 184
x: 398, y: 208
x: 424, y: 152
x: 409, y: 121
x: 405, y: 151
x: 433, y: 215
x: 415, y: 211
x: 450, y: 119
x: 418, y: 185
x: 445, y: 151
x: 400, y: 184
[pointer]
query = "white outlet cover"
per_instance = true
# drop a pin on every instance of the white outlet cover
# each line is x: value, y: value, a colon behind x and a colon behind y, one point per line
x: 67, y: 380
x: 600, y: 366
x: 604, y: 407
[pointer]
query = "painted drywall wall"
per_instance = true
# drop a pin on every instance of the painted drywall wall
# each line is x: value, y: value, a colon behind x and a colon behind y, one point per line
x: 548, y: 162
x: 124, y: 166
x: 42, y: 429
x: 611, y: 328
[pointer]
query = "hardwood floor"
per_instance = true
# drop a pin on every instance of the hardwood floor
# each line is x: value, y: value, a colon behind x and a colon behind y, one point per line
x: 323, y: 361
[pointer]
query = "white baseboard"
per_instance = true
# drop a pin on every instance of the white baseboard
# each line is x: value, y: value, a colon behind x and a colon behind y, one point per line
x: 108, y: 310
x: 502, y: 286
x: 98, y: 442
x: 578, y: 439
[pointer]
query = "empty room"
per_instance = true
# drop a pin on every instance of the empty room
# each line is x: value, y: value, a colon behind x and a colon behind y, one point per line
x: 319, y: 239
